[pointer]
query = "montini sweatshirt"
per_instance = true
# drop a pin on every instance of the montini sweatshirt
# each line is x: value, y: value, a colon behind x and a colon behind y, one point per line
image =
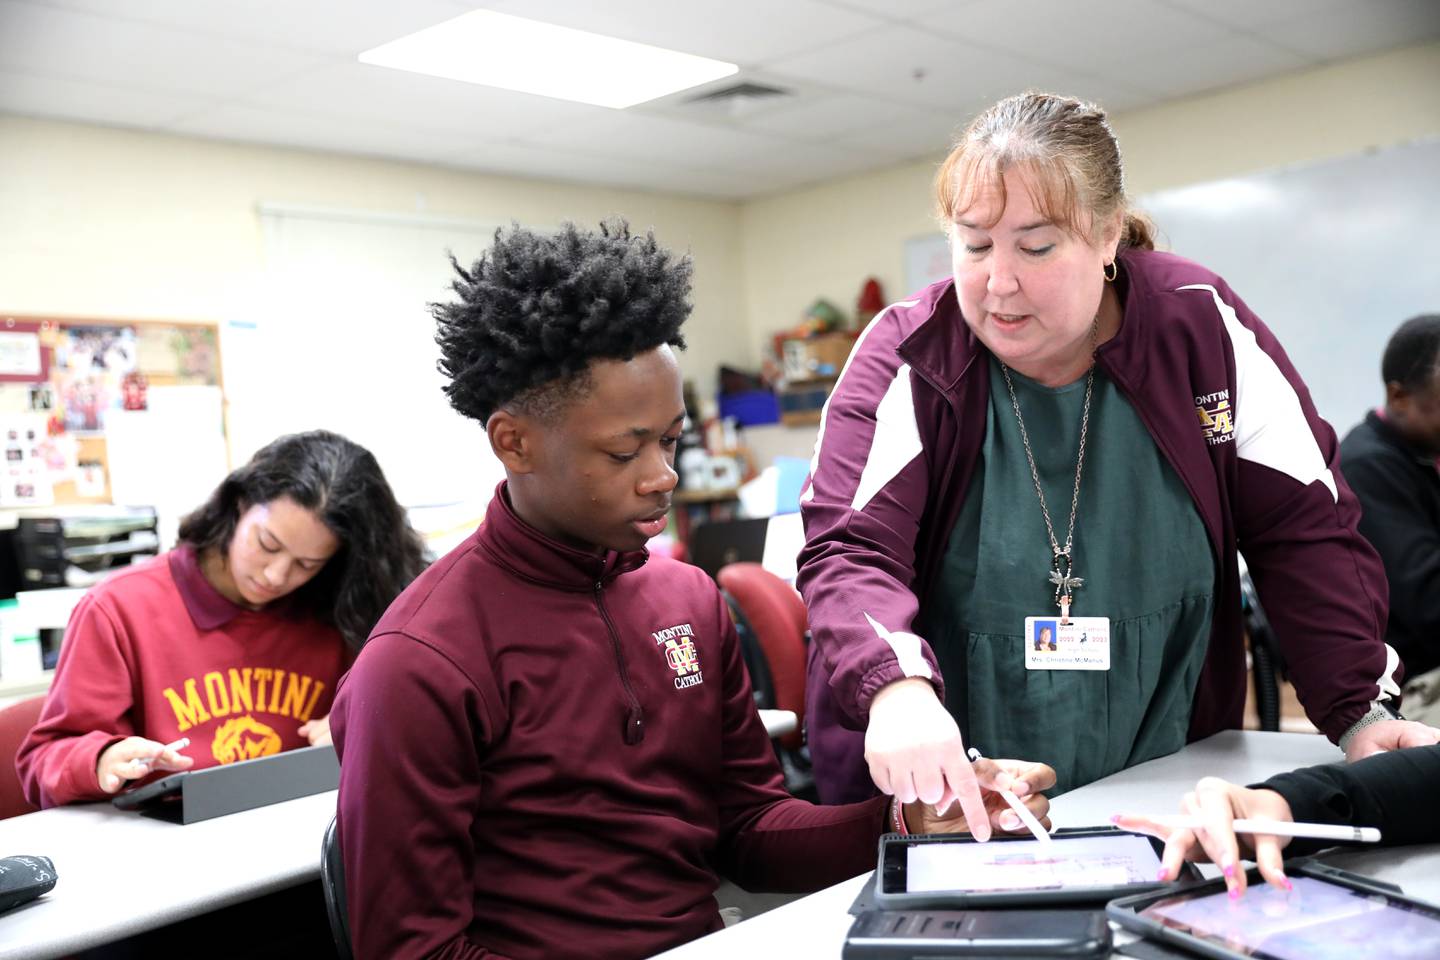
x: 155, y: 651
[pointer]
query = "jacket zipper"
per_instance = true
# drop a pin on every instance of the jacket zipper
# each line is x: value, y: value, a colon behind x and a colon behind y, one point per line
x: 634, y: 715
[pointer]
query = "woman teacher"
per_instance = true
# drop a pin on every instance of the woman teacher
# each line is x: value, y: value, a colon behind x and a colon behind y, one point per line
x: 1079, y: 429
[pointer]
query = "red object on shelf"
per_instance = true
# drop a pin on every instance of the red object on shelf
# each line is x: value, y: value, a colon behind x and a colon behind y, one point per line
x: 871, y: 302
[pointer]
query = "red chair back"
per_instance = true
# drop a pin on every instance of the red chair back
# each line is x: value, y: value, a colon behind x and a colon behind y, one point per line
x: 16, y: 721
x: 777, y: 615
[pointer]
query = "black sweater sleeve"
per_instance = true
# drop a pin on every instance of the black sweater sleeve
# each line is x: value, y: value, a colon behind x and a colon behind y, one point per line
x: 1388, y: 790
x: 1399, y: 520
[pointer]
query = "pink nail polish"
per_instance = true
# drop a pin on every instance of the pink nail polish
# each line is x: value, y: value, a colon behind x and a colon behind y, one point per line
x: 1115, y: 818
x: 1229, y: 870
x: 1234, y: 893
x: 1163, y: 875
x: 1288, y: 885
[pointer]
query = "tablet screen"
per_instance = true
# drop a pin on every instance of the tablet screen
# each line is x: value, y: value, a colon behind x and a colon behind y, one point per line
x: 1072, y: 863
x: 1316, y: 921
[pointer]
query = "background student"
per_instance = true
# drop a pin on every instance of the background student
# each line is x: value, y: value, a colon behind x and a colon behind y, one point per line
x: 1389, y: 460
x: 549, y: 746
x: 236, y: 638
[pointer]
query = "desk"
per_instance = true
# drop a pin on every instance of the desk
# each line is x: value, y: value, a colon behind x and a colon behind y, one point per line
x: 121, y: 873
x: 815, y: 926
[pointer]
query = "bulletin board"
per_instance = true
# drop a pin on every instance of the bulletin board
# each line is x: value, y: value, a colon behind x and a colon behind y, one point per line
x: 78, y: 395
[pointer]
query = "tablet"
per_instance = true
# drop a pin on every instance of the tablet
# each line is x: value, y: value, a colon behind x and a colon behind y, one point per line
x: 938, y: 934
x: 190, y: 796
x: 1328, y: 914
x: 1078, y: 865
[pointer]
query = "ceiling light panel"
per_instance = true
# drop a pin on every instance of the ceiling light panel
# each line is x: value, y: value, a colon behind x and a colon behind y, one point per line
x: 513, y: 53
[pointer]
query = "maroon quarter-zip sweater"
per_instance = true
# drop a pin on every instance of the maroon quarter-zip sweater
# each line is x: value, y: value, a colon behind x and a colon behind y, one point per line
x: 547, y: 752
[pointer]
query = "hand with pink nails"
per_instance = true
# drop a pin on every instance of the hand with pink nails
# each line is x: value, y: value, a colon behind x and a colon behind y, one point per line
x: 1219, y: 803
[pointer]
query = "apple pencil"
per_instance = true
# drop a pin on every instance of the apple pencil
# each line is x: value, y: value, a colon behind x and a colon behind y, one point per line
x: 1279, y: 828
x: 180, y: 744
x: 1026, y: 817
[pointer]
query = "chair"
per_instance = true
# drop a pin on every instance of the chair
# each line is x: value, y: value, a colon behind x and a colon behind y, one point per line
x: 1267, y: 663
x: 16, y: 722
x: 777, y: 615
x: 332, y: 878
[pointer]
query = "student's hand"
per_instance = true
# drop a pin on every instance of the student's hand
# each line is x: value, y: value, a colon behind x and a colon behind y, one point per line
x: 914, y: 751
x: 316, y: 731
x: 1389, y: 735
x: 133, y: 758
x: 1218, y: 802
x: 1020, y: 777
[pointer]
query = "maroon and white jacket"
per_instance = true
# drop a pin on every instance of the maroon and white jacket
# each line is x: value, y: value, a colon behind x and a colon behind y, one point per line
x: 901, y: 438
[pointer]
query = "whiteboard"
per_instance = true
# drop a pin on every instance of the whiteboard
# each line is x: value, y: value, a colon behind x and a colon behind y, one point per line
x: 343, y: 340
x: 1332, y: 256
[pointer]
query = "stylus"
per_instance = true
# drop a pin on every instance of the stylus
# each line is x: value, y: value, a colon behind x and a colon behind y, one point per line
x: 1026, y: 817
x: 180, y: 744
x: 1281, y: 828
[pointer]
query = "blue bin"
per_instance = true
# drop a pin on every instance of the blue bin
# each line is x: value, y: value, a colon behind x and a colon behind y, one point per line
x: 751, y: 408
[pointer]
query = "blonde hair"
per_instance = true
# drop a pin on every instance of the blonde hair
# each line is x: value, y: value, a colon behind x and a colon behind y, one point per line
x: 1069, y: 151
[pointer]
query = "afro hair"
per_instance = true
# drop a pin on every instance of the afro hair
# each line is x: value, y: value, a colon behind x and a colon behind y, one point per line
x: 536, y: 309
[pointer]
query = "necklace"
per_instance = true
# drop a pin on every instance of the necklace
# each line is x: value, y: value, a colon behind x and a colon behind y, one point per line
x: 1063, y: 574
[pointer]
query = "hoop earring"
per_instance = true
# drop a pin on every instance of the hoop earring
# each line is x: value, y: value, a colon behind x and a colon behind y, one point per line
x: 1111, y: 271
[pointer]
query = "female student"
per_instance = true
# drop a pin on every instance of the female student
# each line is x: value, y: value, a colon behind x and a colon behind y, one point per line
x: 235, y: 639
x: 1389, y: 790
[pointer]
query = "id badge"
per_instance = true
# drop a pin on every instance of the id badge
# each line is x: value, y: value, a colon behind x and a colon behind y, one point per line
x: 1081, y: 644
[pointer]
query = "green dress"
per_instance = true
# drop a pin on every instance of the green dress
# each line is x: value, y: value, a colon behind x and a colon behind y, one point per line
x: 1147, y: 565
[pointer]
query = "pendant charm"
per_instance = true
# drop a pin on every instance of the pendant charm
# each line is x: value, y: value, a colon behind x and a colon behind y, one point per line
x: 1065, y: 584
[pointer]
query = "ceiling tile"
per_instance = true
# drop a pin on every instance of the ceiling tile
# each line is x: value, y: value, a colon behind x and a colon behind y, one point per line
x: 532, y: 160
x: 905, y: 140
x: 646, y: 138
x: 724, y: 29
x: 333, y: 27
x: 1247, y: 14
x: 365, y: 92
x: 918, y: 67
x: 900, y: 10
x: 1227, y: 62
x: 48, y: 41
x: 1355, y: 29
x: 322, y: 132
x: 825, y: 116
x: 92, y: 102
x: 1082, y: 36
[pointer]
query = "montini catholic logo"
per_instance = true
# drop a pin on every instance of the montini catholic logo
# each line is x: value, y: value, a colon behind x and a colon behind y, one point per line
x: 679, y: 644
x: 1217, y: 424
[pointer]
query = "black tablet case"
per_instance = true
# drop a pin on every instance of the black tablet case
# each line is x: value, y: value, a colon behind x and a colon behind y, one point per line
x: 194, y: 795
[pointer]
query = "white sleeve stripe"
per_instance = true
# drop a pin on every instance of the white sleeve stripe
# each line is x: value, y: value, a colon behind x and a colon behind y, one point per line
x: 1389, y: 689
x: 1270, y: 426
x: 896, y: 441
x: 907, y: 650
x: 809, y: 493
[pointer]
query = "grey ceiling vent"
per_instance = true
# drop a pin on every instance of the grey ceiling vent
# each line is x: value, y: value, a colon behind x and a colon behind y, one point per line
x: 744, y: 90
x: 736, y: 100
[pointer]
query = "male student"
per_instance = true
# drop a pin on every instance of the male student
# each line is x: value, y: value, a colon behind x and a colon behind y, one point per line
x: 1389, y: 460
x: 548, y: 745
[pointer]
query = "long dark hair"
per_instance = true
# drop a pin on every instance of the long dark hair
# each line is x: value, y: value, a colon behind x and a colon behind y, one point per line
x: 340, y: 482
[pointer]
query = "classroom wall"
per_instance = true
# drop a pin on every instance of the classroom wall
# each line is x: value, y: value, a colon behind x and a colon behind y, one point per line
x: 824, y: 240
x: 119, y: 223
